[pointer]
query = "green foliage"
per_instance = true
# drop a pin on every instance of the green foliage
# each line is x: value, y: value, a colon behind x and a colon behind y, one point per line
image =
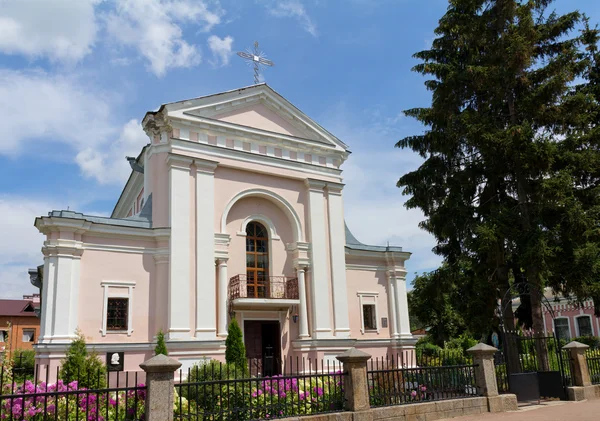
x: 23, y: 364
x: 83, y: 366
x: 510, y: 183
x: 235, y: 352
x: 161, y: 346
x: 592, y: 341
x: 462, y: 342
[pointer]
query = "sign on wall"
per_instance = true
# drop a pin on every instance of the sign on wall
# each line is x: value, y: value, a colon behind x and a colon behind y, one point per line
x: 115, y: 361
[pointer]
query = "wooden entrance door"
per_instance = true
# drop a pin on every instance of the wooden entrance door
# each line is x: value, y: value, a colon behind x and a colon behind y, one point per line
x: 257, y: 261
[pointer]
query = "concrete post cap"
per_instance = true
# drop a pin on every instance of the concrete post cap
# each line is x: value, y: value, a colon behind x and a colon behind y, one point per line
x: 354, y: 355
x: 482, y: 348
x: 160, y: 364
x: 575, y: 345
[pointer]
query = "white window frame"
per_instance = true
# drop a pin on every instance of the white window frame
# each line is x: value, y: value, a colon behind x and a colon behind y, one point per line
x: 577, y: 323
x: 361, y: 296
x: 32, y: 335
x: 129, y: 295
x: 568, y: 325
x: 3, y: 337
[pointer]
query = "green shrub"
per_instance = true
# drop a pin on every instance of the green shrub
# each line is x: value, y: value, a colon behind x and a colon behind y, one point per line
x: 592, y: 341
x: 23, y: 364
x: 235, y: 351
x: 463, y: 342
x: 83, y: 366
x: 161, y: 346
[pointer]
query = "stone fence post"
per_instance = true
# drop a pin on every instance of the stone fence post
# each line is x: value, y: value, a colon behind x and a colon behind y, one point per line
x: 582, y: 385
x: 485, y: 372
x: 485, y: 379
x: 160, y: 385
x: 579, y: 368
x: 356, y: 388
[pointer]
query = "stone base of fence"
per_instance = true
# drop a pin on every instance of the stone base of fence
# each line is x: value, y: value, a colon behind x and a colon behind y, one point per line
x: 427, y: 411
x: 582, y: 393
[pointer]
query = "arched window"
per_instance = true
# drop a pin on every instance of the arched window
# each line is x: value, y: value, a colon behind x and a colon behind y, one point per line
x: 257, y: 261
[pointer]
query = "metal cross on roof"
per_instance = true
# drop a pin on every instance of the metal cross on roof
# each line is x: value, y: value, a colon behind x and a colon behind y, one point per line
x: 257, y: 59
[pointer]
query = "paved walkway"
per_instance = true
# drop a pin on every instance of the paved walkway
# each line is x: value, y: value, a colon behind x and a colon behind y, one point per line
x: 549, y: 411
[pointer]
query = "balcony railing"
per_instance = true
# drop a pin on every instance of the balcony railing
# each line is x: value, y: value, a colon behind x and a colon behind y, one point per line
x: 271, y: 287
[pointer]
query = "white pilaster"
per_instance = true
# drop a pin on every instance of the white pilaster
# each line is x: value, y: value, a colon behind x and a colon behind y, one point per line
x: 222, y: 306
x: 179, y: 245
x: 337, y: 243
x: 401, y: 304
x: 206, y: 309
x: 48, y: 289
x: 302, y: 308
x: 393, y: 326
x: 320, y: 296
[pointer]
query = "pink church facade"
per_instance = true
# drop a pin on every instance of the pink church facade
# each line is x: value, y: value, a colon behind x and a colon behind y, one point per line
x: 233, y: 210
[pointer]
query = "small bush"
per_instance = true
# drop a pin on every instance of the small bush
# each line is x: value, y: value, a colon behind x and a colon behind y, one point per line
x: 83, y: 366
x: 235, y: 351
x: 161, y: 346
x: 23, y: 364
x: 463, y: 342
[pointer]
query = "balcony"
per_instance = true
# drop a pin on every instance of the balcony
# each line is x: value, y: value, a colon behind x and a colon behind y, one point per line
x: 267, y: 292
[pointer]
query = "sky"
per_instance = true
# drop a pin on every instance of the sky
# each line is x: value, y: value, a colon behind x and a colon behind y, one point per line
x: 77, y: 76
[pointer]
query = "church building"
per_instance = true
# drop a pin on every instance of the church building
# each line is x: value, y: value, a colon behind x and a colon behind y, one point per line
x: 233, y: 210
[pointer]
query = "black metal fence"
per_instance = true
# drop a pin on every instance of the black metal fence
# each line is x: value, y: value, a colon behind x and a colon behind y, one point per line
x: 593, y: 361
x: 94, y: 396
x: 429, y: 377
x: 217, y: 391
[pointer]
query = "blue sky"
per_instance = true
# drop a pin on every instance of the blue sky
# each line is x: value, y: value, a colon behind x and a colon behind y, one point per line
x: 76, y: 77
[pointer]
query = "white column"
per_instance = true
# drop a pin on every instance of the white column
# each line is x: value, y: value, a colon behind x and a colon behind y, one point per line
x: 302, y: 309
x: 179, y: 247
x: 320, y: 299
x: 206, y: 304
x: 66, y: 299
x: 222, y: 306
x: 399, y: 278
x: 392, y: 307
x: 337, y: 244
x: 48, y: 288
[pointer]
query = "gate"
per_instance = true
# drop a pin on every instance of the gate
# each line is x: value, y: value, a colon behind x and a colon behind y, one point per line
x: 531, y: 365
x: 535, y: 366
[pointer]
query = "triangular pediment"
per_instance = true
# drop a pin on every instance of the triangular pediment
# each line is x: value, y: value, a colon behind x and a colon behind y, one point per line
x: 257, y: 107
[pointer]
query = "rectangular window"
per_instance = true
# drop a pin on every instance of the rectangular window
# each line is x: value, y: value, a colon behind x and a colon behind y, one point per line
x: 28, y: 335
x: 584, y: 324
x: 369, y: 317
x: 3, y: 335
x: 561, y: 328
x: 116, y: 313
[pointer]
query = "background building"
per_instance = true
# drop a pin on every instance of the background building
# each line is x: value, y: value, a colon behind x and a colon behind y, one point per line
x: 19, y: 318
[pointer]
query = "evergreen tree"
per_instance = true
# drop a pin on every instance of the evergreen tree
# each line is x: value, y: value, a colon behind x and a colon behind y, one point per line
x: 235, y: 352
x: 161, y: 346
x: 502, y: 150
x: 82, y: 366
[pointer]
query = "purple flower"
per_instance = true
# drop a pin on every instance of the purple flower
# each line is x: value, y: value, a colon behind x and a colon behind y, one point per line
x: 423, y: 389
x: 413, y: 393
x: 318, y: 391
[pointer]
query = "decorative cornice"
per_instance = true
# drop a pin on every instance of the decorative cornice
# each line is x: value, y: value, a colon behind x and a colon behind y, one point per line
x: 334, y: 188
x: 179, y: 161
x: 315, y: 185
x: 205, y: 166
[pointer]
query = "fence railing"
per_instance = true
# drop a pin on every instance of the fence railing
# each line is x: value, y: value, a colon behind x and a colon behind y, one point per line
x: 593, y: 361
x: 445, y: 375
x: 216, y: 391
x: 93, y: 397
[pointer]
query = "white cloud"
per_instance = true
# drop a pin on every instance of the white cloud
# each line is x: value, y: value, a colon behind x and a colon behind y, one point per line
x: 21, y: 248
x: 108, y: 165
x: 373, y: 205
x: 38, y: 107
x: 292, y: 9
x: 62, y: 30
x: 221, y: 48
x: 155, y: 29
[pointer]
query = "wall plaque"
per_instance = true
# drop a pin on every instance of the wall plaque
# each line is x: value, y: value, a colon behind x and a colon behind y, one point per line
x: 384, y: 322
x: 115, y: 361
